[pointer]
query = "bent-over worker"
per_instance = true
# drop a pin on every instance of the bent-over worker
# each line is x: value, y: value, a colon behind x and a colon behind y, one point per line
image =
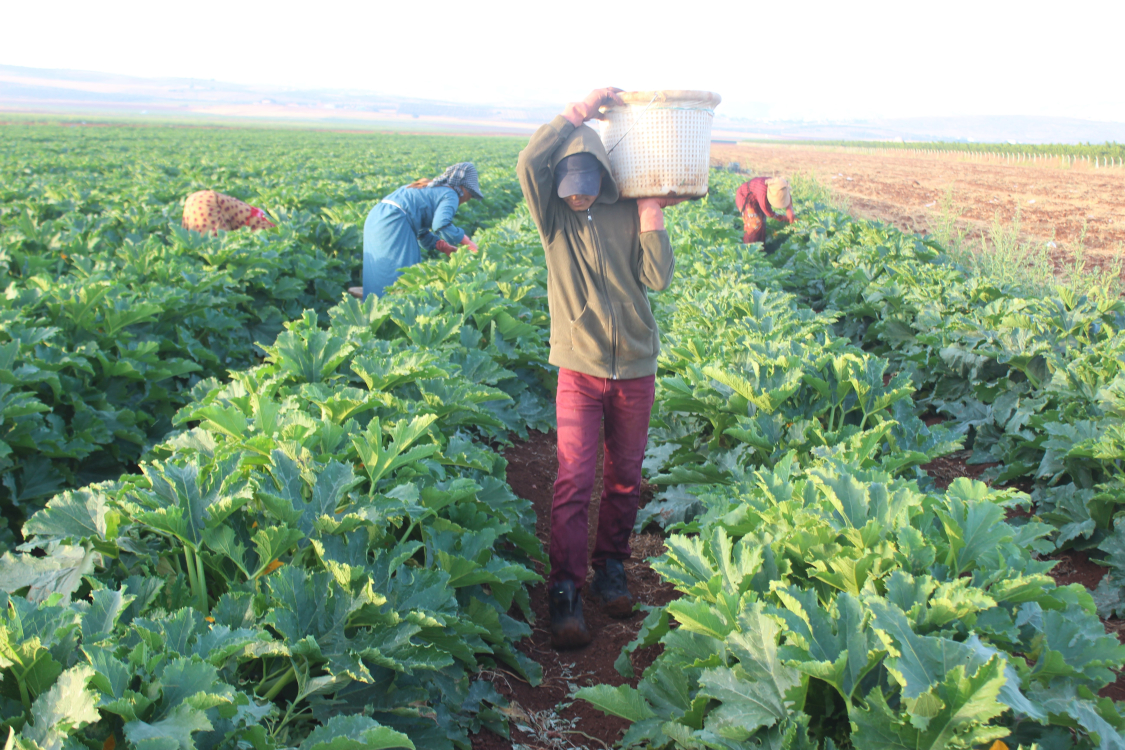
x: 603, y: 254
x: 206, y: 211
x: 759, y: 198
x: 420, y: 213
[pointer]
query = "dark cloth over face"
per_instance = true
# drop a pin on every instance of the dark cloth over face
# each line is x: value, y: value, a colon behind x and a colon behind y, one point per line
x: 578, y: 174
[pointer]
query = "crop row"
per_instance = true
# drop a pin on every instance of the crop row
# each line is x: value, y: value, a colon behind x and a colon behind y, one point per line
x: 831, y: 595
x: 1036, y: 382
x: 349, y: 555
x: 112, y: 313
x: 325, y: 552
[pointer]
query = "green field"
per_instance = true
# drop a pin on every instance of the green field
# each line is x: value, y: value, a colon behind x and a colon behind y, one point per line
x: 314, y: 544
x: 115, y: 313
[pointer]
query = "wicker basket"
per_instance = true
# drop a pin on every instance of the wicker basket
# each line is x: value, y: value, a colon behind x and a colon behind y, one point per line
x: 659, y: 143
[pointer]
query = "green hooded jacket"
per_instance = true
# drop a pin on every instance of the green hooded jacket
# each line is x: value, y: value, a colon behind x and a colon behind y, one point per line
x: 599, y: 263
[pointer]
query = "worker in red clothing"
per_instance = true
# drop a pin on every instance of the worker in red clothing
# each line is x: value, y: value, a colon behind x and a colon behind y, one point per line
x: 759, y: 198
x: 604, y: 253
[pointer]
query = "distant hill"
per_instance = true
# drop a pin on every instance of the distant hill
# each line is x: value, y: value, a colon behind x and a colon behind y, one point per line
x: 985, y: 129
x: 40, y: 90
x: 106, y: 94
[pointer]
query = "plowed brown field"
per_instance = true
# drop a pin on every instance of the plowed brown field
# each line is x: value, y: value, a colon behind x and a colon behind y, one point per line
x: 907, y: 191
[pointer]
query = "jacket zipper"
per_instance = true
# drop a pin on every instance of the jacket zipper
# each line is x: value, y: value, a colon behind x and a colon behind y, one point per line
x: 605, y: 293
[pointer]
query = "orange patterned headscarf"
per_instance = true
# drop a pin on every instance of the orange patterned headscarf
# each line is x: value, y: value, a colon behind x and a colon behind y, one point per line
x: 777, y: 192
x: 207, y: 211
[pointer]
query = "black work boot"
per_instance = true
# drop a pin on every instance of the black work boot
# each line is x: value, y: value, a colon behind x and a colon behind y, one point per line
x: 610, y: 588
x: 568, y: 627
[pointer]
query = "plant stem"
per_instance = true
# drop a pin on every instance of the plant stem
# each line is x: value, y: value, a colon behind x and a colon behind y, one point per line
x: 285, y: 679
x: 409, y: 530
x: 269, y: 677
x: 21, y: 677
x: 289, y: 715
x: 24, y: 697
x: 265, y: 674
x: 202, y: 583
x: 190, y: 565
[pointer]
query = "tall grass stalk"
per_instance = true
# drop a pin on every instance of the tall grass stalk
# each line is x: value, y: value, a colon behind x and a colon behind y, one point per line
x: 1003, y: 257
x: 811, y: 188
x: 947, y: 229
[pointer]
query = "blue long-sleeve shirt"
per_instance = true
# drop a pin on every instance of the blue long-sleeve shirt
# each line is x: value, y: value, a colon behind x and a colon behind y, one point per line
x: 392, y: 233
x: 430, y: 212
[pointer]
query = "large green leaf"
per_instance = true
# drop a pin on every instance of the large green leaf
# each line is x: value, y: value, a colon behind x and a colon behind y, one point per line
x: 623, y: 701
x: 307, y: 353
x: 70, y: 518
x: 355, y: 733
x: 191, y: 681
x: 99, y: 618
x: 923, y: 661
x: 390, y: 367
x: 974, y: 526
x: 300, y: 495
x: 837, y: 647
x: 173, y: 732
x: 67, y: 706
x: 1084, y: 711
x: 59, y: 573
x: 954, y: 713
x: 379, y: 460
x: 188, y: 498
x: 754, y: 694
x: 1076, y: 644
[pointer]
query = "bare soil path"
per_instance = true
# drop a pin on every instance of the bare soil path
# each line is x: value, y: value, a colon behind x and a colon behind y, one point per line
x: 554, y: 720
x: 907, y: 191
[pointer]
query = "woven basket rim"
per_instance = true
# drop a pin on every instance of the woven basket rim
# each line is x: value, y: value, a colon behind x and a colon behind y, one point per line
x: 670, y: 96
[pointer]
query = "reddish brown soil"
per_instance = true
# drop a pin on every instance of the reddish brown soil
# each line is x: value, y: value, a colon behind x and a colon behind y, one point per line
x: 1075, y: 567
x: 947, y: 468
x: 907, y: 191
x: 557, y: 720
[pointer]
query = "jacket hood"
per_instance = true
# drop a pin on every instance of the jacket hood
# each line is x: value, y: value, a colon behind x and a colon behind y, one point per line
x: 585, y: 139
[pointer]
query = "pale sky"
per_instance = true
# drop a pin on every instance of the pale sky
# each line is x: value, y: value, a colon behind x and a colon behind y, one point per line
x: 802, y: 59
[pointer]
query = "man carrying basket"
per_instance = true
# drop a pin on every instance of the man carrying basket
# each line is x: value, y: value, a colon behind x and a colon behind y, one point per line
x: 602, y: 253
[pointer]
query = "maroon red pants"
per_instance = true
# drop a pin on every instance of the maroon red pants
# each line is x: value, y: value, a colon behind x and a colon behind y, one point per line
x: 582, y: 402
x: 754, y: 225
